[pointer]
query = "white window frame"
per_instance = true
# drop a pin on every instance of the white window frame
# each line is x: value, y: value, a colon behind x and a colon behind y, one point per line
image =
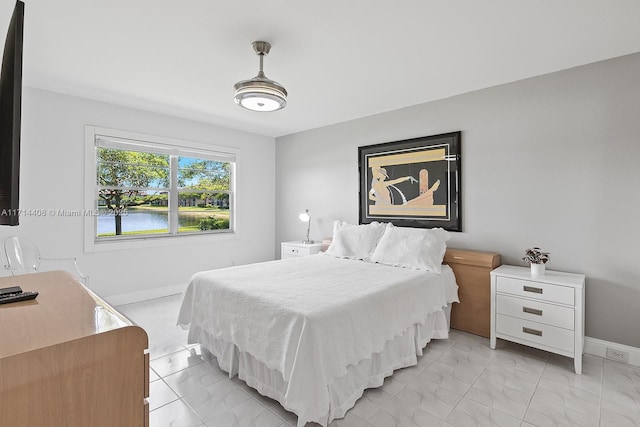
x: 118, y: 139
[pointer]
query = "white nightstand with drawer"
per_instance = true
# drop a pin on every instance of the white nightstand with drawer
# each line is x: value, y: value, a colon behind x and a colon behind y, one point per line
x: 297, y: 249
x: 546, y: 312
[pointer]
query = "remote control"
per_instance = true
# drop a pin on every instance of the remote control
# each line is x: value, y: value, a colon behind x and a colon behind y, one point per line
x: 11, y: 290
x: 18, y: 296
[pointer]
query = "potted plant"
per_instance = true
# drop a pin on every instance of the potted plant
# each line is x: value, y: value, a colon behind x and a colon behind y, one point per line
x: 537, y: 259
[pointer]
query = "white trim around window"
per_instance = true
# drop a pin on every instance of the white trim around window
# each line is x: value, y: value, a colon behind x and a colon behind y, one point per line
x: 110, y: 138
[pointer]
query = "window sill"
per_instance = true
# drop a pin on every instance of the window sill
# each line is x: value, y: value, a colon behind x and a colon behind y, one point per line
x: 156, y: 241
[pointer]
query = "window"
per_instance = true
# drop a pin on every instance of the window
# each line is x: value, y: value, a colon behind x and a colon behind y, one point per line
x: 146, y: 188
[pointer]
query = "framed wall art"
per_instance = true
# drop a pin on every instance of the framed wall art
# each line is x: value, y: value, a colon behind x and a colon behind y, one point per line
x: 412, y: 183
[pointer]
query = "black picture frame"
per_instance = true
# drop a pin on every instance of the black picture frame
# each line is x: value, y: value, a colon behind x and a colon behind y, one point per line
x: 412, y: 183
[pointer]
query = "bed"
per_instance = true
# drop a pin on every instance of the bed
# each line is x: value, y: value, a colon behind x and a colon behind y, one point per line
x: 314, y: 332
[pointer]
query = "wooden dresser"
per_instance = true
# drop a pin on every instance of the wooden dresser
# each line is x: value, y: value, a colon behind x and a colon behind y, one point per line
x: 68, y: 359
x: 472, y: 270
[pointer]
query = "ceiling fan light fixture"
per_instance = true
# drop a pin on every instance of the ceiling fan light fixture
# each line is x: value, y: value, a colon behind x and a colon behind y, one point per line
x: 260, y: 93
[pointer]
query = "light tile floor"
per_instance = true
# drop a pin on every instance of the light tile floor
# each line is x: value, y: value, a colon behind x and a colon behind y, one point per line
x: 458, y: 382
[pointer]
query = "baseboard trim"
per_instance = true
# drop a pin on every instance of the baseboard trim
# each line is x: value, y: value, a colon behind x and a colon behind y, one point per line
x: 598, y: 347
x: 148, y: 294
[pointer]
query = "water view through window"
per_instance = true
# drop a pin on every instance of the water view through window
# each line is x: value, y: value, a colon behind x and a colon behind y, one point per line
x: 141, y: 220
x: 134, y: 220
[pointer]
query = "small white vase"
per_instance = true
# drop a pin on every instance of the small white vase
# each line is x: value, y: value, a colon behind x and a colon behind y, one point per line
x: 537, y: 269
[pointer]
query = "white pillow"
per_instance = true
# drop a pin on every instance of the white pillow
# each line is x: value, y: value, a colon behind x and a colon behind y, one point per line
x: 354, y: 241
x: 417, y: 248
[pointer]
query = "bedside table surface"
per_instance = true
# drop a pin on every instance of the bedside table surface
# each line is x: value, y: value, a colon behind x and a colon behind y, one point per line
x: 550, y: 276
x: 301, y: 244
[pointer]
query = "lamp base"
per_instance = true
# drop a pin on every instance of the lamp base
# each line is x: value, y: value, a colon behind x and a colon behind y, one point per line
x: 308, y: 242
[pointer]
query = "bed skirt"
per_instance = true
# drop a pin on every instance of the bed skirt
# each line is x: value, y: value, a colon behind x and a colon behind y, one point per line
x: 344, y: 391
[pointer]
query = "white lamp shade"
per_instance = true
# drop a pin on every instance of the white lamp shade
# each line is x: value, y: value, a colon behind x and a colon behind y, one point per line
x: 304, y: 216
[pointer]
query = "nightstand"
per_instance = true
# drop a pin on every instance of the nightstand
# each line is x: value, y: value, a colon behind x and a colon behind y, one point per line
x: 545, y: 312
x: 298, y: 249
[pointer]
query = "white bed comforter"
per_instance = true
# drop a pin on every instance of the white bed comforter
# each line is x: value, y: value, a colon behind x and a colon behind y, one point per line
x: 311, y: 317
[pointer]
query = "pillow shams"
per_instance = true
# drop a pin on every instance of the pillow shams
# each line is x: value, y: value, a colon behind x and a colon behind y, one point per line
x: 420, y: 249
x: 354, y: 241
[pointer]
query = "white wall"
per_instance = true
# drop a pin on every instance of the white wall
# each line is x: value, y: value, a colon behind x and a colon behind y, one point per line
x: 52, y: 177
x: 550, y: 161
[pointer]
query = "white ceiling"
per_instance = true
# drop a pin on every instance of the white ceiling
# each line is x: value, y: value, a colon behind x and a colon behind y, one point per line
x: 339, y: 60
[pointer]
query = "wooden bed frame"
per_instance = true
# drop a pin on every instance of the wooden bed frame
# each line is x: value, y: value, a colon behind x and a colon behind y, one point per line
x: 472, y: 269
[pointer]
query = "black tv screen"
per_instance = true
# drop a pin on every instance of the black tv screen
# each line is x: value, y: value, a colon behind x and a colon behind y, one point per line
x: 10, y: 109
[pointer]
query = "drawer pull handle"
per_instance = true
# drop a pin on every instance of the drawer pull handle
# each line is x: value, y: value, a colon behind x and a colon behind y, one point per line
x: 532, y: 289
x: 532, y: 311
x: 295, y: 251
x: 531, y: 331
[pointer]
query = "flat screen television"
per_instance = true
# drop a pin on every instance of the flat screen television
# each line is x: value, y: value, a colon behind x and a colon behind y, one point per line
x: 10, y: 109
